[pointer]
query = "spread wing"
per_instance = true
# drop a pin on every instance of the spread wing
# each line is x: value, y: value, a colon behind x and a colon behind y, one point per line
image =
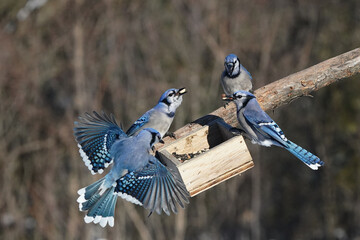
x: 95, y: 135
x: 154, y: 187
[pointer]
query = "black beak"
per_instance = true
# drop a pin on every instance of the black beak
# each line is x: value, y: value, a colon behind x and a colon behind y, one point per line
x: 230, y: 67
x: 181, y: 91
x: 161, y: 141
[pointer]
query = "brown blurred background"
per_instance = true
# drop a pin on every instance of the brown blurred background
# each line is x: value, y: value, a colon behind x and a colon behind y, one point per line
x: 59, y: 59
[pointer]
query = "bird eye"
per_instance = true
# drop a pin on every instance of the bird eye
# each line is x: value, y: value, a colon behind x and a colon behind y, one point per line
x: 171, y: 94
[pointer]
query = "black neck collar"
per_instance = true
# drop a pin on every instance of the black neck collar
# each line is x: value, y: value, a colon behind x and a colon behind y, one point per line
x: 165, y: 101
x: 233, y: 76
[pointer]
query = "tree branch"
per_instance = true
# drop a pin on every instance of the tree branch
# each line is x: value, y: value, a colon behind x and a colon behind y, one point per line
x: 287, y: 89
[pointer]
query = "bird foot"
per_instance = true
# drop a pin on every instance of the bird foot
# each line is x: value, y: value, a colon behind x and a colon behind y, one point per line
x: 170, y: 134
x: 236, y: 131
x: 226, y: 104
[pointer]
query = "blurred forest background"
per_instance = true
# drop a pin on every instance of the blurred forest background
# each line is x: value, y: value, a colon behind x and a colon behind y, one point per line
x: 59, y: 59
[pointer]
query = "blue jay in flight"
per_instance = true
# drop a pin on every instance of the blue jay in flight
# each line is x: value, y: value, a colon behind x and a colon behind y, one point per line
x: 136, y: 175
x: 257, y: 126
x: 161, y: 116
x: 235, y: 77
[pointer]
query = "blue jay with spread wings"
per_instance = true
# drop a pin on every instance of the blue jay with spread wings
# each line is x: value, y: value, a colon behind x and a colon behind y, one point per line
x: 136, y: 175
x: 161, y: 116
x: 257, y: 126
x: 235, y: 77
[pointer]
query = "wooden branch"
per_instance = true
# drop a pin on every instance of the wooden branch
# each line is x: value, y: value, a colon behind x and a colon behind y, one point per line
x: 286, y: 89
x: 311, y: 79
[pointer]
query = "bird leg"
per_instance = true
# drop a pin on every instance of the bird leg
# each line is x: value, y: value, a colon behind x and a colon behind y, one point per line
x: 237, y: 131
x: 170, y: 134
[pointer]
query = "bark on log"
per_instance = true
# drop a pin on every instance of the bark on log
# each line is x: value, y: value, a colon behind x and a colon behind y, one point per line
x: 286, y: 89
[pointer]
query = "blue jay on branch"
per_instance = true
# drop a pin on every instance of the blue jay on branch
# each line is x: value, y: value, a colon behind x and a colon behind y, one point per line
x: 161, y: 116
x: 136, y: 175
x: 235, y: 77
x: 257, y: 126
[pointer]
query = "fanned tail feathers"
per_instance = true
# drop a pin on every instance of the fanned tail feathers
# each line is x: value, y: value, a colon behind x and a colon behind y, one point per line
x: 100, y: 207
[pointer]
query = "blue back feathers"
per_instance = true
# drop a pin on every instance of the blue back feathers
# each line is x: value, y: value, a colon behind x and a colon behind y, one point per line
x: 138, y: 124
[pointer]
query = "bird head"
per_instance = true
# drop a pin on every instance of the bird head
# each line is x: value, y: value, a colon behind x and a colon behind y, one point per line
x: 172, y: 97
x: 232, y: 65
x: 240, y: 97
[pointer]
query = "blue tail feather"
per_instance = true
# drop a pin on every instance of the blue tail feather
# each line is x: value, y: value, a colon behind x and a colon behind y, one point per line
x: 100, y: 207
x: 104, y: 205
x: 92, y: 189
x: 307, y: 157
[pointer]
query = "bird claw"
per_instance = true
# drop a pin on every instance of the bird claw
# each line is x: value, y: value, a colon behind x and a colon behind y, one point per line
x: 236, y: 131
x: 170, y: 134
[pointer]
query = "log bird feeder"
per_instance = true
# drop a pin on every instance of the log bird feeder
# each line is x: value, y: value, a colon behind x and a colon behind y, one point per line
x: 207, y: 156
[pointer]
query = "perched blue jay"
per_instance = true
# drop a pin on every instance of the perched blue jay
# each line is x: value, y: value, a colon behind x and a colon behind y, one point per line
x: 235, y: 77
x: 136, y: 176
x: 161, y: 116
x: 257, y: 126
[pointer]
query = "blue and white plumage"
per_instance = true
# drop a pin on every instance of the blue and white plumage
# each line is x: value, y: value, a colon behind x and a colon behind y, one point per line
x: 161, y: 116
x: 235, y: 77
x: 95, y: 135
x: 257, y: 126
x: 136, y: 175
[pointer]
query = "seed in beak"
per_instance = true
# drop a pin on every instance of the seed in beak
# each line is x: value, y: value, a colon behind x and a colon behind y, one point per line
x: 226, y: 98
x: 182, y: 91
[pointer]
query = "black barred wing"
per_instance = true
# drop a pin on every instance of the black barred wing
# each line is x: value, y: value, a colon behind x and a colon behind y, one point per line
x: 154, y: 187
x: 95, y: 135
